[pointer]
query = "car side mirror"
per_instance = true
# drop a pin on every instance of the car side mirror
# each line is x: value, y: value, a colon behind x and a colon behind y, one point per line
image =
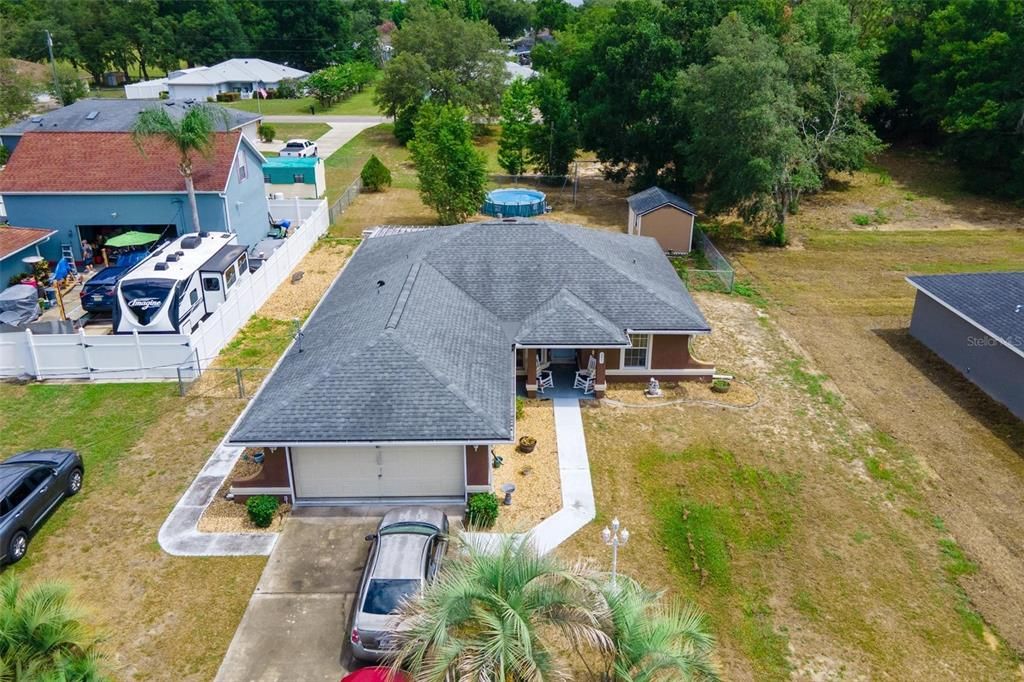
x: 371, y: 537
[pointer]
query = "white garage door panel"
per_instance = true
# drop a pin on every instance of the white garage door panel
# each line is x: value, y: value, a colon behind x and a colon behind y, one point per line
x: 335, y: 472
x: 426, y: 472
x: 368, y: 472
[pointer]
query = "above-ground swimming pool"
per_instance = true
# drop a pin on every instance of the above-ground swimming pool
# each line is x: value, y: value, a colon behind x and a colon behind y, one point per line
x: 514, y: 201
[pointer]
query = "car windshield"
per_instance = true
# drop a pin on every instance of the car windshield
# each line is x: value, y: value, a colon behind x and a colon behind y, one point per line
x: 384, y: 596
x: 412, y: 528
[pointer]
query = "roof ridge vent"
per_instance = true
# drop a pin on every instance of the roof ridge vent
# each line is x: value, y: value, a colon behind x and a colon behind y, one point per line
x: 403, y: 297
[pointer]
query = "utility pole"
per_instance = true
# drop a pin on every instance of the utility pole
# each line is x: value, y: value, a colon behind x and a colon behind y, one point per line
x: 53, y: 65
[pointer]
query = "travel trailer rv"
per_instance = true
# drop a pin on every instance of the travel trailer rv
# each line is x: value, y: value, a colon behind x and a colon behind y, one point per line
x: 180, y: 284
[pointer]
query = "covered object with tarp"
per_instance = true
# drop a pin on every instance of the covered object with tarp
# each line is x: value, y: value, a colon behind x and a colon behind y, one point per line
x: 19, y: 305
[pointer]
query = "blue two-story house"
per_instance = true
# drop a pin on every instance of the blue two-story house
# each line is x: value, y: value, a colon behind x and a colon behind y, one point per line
x: 93, y: 185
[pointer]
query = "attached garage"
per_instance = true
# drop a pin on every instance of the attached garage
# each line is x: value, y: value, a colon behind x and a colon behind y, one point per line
x: 365, y: 474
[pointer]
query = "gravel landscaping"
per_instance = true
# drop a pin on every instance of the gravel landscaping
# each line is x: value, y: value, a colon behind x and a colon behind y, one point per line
x: 538, y: 492
x: 228, y: 516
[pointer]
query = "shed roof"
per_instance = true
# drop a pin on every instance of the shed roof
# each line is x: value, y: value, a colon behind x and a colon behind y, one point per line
x: 14, y: 240
x: 413, y: 340
x: 656, y: 197
x: 116, y: 116
x: 991, y: 301
x: 58, y: 163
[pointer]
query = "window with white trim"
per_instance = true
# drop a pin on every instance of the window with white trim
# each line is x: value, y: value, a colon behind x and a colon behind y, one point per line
x: 243, y: 170
x: 636, y: 357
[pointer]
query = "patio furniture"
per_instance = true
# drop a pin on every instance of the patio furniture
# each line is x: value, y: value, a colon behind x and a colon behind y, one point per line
x: 585, y: 377
x: 545, y: 380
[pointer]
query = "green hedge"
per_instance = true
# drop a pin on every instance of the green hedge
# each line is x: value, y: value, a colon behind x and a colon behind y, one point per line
x: 261, y: 509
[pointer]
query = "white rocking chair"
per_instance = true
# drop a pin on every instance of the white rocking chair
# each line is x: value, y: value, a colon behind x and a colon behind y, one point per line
x: 544, y: 380
x: 585, y: 377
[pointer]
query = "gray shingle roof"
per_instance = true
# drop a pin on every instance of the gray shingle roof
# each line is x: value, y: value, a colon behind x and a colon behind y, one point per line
x: 113, y: 116
x: 993, y: 301
x: 656, y: 197
x: 413, y: 341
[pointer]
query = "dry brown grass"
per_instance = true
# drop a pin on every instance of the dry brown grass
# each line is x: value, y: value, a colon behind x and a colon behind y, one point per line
x: 538, y: 492
x: 809, y: 566
x: 318, y: 268
x: 739, y: 394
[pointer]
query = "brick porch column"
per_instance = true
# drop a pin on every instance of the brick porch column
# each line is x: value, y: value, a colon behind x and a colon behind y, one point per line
x: 600, y: 384
x: 531, y: 372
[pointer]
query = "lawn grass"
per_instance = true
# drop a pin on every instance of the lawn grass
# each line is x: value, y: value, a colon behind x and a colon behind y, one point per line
x: 307, y: 131
x: 359, y: 104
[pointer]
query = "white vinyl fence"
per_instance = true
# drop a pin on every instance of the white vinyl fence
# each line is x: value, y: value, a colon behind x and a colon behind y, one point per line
x: 165, y: 356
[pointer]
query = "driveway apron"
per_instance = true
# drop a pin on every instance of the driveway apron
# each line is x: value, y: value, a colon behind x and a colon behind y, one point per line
x: 296, y: 624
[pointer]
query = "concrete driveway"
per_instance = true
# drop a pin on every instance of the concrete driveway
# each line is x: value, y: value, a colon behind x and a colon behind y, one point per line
x: 296, y: 624
x: 343, y: 129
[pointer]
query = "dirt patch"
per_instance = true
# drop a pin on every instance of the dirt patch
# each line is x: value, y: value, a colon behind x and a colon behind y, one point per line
x: 739, y: 394
x: 538, y: 492
x: 318, y: 268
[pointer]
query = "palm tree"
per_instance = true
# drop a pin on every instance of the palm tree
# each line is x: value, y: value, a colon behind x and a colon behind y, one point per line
x: 41, y: 636
x: 501, y: 614
x: 192, y: 134
x: 655, y: 643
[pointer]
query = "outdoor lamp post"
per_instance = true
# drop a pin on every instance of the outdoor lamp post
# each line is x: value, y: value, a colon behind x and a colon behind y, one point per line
x: 615, y: 538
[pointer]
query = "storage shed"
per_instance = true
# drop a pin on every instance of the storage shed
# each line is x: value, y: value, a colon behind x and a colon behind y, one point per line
x: 975, y: 322
x: 295, y: 177
x: 661, y: 214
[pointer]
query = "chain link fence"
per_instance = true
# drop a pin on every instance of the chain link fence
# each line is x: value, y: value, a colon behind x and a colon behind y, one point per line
x: 221, y: 382
x: 705, y: 268
x: 343, y: 202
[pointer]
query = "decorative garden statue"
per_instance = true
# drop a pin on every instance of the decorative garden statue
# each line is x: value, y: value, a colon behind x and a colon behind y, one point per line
x: 653, y: 388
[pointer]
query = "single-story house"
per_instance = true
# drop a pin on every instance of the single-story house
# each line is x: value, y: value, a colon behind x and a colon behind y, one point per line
x: 116, y: 116
x: 95, y: 185
x: 407, y: 371
x: 152, y: 89
x: 295, y: 177
x: 975, y: 322
x: 244, y: 76
x: 17, y: 243
x: 658, y: 213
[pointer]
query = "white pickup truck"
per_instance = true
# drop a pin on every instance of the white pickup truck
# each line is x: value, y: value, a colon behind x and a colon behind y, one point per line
x: 299, y: 148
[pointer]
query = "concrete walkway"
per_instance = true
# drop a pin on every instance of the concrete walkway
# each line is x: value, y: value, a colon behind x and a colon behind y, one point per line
x: 180, y: 536
x: 328, y: 143
x: 578, y: 508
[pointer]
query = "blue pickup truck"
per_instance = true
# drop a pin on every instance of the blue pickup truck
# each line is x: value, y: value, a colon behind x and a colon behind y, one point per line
x: 98, y: 293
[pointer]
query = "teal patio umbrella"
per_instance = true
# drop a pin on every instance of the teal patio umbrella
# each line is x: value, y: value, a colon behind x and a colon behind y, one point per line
x: 132, y: 238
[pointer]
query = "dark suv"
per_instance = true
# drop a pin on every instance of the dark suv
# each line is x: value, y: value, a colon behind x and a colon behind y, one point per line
x: 32, y: 484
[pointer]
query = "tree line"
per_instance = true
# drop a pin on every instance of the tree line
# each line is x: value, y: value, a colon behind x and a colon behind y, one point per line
x: 150, y: 36
x: 756, y: 102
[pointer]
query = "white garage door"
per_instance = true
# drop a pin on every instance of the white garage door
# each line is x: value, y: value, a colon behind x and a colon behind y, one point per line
x: 387, y: 472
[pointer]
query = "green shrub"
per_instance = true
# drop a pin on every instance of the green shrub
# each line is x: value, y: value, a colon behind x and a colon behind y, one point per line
x: 266, y: 132
x: 520, y: 406
x: 228, y: 96
x: 404, y: 124
x: 375, y: 175
x: 720, y: 385
x: 861, y: 219
x: 261, y: 509
x: 5, y: 154
x: 287, y: 89
x: 482, y: 511
x: 164, y: 94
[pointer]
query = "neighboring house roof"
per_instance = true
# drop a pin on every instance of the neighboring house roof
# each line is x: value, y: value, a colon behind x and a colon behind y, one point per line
x: 238, y: 71
x: 115, y: 116
x: 991, y: 301
x: 14, y: 240
x: 513, y: 71
x: 59, y: 163
x: 413, y: 341
x: 655, y: 197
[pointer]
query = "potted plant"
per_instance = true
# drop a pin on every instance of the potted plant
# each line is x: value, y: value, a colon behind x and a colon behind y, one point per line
x: 720, y: 385
x: 527, y: 444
